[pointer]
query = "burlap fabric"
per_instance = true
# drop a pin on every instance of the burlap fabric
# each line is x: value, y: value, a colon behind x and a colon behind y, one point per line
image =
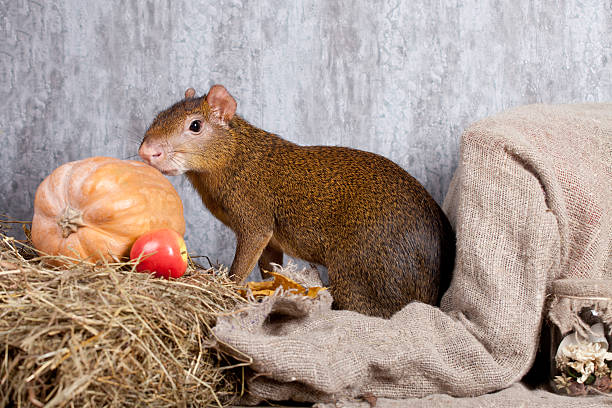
x: 516, y: 396
x: 531, y: 202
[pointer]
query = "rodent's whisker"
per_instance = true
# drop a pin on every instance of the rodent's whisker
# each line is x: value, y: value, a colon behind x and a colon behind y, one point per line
x: 132, y: 136
x: 186, y: 143
x: 188, y: 151
x: 177, y: 161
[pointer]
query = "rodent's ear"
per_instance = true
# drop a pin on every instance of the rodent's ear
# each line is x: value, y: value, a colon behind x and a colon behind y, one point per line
x: 189, y: 93
x: 221, y: 103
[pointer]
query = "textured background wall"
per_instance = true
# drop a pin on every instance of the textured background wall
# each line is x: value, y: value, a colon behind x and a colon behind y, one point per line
x: 400, y: 78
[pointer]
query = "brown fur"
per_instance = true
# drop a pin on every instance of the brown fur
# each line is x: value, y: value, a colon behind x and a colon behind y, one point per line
x: 383, y: 238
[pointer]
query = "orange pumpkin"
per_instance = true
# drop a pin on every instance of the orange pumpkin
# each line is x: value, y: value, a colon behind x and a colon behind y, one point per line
x: 94, y: 209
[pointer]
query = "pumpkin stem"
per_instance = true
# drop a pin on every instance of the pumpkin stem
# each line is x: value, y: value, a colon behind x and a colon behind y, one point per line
x: 70, y: 221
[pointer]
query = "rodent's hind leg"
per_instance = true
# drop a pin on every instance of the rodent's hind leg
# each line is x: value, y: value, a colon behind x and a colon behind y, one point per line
x: 349, y: 294
x: 269, y: 256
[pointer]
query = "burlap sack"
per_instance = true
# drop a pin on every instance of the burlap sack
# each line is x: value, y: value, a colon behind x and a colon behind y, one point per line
x: 531, y: 202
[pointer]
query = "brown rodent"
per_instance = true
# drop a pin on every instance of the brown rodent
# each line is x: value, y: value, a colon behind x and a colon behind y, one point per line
x: 383, y: 238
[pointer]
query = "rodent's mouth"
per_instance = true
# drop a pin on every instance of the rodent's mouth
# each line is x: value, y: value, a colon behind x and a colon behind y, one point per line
x: 171, y: 172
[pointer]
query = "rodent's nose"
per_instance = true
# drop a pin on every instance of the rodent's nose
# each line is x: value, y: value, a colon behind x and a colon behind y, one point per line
x: 151, y: 153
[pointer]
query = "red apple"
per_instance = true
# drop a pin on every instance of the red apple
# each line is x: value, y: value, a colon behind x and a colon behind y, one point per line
x: 163, y: 253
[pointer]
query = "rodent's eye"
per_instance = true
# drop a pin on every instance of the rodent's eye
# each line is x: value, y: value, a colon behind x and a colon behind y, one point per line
x: 195, y: 126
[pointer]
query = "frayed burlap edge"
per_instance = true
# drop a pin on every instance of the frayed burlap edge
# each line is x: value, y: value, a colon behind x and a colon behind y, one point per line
x: 570, y: 296
x: 283, y: 304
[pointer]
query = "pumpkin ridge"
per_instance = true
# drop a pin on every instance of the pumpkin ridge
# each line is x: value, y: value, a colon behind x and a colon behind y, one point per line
x: 90, y: 244
x: 73, y: 248
x: 71, y: 218
x: 53, y: 202
x: 106, y: 232
x: 67, y: 185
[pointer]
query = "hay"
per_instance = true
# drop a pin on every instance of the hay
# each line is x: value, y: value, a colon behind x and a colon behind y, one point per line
x: 103, y: 335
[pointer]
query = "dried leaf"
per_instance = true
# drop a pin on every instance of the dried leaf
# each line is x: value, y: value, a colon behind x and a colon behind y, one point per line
x: 267, y: 288
x: 314, y: 292
x: 288, y: 284
x: 265, y: 285
x: 263, y: 292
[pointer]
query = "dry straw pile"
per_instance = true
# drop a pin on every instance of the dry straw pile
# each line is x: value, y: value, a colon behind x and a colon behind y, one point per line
x: 102, y: 335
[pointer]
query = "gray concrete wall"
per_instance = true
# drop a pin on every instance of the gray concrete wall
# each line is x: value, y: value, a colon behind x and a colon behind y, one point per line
x: 403, y: 79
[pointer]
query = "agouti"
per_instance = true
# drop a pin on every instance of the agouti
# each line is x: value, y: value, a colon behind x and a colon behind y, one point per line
x: 383, y: 238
